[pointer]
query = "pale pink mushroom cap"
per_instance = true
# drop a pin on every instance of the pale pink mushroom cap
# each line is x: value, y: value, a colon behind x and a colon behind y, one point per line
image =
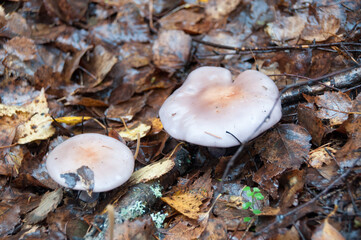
x: 111, y: 161
x: 209, y: 103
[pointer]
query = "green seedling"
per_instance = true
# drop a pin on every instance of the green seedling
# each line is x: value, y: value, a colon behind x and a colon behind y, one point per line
x: 255, y: 194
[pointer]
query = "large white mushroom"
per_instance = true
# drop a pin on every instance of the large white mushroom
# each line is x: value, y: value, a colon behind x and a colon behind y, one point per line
x: 210, y: 103
x: 91, y: 162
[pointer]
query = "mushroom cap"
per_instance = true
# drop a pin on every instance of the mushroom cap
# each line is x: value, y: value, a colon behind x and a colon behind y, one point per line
x: 111, y: 162
x: 209, y: 103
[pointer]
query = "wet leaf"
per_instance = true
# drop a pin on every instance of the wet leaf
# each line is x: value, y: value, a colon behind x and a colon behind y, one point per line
x: 188, y: 202
x: 326, y: 231
x: 286, y: 146
x: 126, y: 110
x: 333, y: 106
x: 320, y: 156
x: 308, y: 118
x: 9, y: 218
x: 22, y: 47
x: 171, y: 50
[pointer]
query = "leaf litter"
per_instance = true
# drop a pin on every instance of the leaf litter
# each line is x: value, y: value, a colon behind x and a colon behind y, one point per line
x: 108, y: 66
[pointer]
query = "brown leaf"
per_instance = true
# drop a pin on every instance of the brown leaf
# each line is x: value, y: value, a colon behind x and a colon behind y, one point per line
x: 350, y: 152
x: 9, y: 218
x: 121, y: 93
x: 333, y: 106
x: 171, y: 50
x: 294, y: 182
x: 286, y: 146
x: 138, y: 229
x: 266, y: 177
x: 100, y: 63
x: 184, y: 229
x: 326, y: 231
x: 85, y: 101
x: 126, y: 110
x: 308, y: 118
x: 135, y: 54
x: 320, y: 156
x: 68, y: 11
x: 323, y: 23
x: 22, y: 47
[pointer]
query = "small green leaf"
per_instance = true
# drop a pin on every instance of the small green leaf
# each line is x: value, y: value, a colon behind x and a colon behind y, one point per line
x: 247, y: 189
x: 249, y: 194
x: 256, y: 189
x: 259, y: 196
x: 246, y: 205
x: 256, y: 211
x: 246, y: 219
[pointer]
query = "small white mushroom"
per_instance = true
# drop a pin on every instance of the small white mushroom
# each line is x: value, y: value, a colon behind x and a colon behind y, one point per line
x: 209, y: 104
x: 91, y: 162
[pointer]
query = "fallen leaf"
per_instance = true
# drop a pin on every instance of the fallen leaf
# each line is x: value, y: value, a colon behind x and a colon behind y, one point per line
x: 188, y: 202
x: 137, y: 229
x: 24, y: 48
x: 9, y: 218
x: 73, y: 120
x: 326, y: 231
x: 32, y: 120
x: 307, y: 117
x: 152, y: 171
x: 320, y: 156
x: 333, y: 106
x: 131, y: 132
x: 286, y: 146
x: 48, y: 203
x: 171, y: 50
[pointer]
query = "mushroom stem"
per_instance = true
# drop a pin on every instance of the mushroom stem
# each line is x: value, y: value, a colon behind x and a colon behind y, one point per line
x: 111, y: 219
x: 137, y: 148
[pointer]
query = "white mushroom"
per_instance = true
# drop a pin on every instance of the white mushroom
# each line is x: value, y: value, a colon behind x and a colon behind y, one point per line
x: 209, y: 104
x: 91, y: 162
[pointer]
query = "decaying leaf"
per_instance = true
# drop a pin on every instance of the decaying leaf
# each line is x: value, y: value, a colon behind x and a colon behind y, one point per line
x: 286, y: 146
x: 326, y: 231
x: 320, y: 156
x: 189, y: 201
x: 184, y: 229
x: 307, y: 117
x: 152, y: 171
x: 138, y: 229
x: 333, y: 106
x: 131, y: 132
x: 48, y: 203
x: 32, y: 121
x: 24, y: 48
x: 9, y: 218
x: 350, y: 152
x: 171, y: 50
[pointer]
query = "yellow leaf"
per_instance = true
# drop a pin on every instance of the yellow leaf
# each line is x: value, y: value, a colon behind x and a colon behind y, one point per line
x: 130, y: 134
x: 187, y: 203
x: 32, y: 120
x: 72, y: 120
x: 152, y: 171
